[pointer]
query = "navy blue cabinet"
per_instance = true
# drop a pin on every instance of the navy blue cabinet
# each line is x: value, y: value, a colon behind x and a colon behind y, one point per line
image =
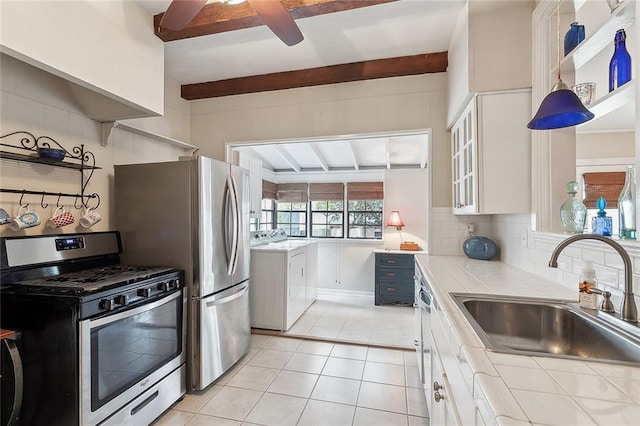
x: 394, y: 278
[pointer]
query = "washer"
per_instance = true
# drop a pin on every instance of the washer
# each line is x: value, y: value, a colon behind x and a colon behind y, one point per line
x: 284, y: 282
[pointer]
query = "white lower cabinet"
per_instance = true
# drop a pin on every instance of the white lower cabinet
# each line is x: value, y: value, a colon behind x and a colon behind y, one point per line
x: 443, y: 405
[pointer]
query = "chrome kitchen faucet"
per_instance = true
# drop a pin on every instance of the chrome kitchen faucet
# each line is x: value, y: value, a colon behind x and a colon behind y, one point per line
x: 629, y: 310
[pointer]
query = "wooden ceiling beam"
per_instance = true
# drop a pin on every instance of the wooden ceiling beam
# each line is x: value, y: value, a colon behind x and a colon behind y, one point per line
x: 378, y: 68
x: 219, y: 17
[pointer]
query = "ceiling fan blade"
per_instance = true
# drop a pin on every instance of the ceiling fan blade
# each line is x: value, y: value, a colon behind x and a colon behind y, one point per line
x: 180, y: 13
x: 277, y: 18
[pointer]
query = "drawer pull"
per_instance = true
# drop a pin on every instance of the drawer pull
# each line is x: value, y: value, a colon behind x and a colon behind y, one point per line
x: 391, y: 289
x: 391, y: 261
x: 391, y: 274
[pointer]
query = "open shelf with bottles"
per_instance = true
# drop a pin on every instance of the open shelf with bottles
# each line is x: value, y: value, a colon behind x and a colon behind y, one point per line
x: 589, y: 61
x: 624, y: 17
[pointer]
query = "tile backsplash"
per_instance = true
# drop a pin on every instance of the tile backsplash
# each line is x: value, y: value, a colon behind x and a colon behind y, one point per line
x: 531, y: 251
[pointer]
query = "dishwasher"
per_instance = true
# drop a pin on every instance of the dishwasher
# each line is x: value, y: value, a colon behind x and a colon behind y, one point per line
x: 423, y: 303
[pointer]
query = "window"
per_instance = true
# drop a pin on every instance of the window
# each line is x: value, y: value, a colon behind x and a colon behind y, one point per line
x: 327, y: 219
x: 291, y: 209
x: 364, y: 207
x: 365, y: 219
x: 327, y: 210
x: 607, y: 185
x: 292, y: 217
x: 266, y: 218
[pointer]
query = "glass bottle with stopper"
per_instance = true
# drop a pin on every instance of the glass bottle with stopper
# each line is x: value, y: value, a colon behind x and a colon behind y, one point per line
x: 602, y: 224
x: 573, y: 213
x: 627, y: 206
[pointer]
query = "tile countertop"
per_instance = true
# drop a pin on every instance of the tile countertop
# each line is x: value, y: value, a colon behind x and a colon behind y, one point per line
x: 518, y: 389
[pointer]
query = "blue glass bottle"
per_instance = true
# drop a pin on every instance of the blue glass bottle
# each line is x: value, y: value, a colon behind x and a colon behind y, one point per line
x: 602, y: 224
x: 620, y: 65
x: 573, y: 37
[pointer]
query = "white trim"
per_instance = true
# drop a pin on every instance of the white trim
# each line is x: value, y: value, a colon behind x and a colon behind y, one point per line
x: 613, y: 161
x: 350, y: 293
x: 631, y: 247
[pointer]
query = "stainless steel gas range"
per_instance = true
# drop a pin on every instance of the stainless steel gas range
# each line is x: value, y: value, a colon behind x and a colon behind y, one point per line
x: 101, y: 342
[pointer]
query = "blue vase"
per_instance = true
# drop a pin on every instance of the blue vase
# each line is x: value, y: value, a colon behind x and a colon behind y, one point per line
x: 573, y: 37
x: 620, y: 65
x: 481, y: 248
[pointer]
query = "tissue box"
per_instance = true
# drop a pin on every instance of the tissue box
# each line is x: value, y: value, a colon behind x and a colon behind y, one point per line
x: 409, y: 245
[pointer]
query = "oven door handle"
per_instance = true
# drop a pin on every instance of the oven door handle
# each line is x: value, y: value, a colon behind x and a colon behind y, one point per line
x: 132, y: 312
x: 424, y: 300
x: 236, y: 295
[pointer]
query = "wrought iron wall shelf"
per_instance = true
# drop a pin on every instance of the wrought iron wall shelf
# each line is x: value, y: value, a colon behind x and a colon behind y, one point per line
x: 32, y: 159
x: 26, y: 147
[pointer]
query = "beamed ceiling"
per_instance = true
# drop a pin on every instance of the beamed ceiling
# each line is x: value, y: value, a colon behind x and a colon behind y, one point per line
x: 226, y: 50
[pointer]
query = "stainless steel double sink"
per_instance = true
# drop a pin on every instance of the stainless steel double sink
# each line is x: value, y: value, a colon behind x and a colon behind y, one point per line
x: 549, y: 327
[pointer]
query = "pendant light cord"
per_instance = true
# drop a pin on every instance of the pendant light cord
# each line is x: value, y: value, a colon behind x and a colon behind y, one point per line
x: 558, y: 35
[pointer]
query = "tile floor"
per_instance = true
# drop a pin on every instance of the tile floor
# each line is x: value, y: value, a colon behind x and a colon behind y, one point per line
x: 291, y: 381
x: 356, y: 319
x: 288, y: 379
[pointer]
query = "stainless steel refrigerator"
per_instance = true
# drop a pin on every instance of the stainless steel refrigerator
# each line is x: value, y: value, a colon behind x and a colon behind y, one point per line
x: 194, y: 214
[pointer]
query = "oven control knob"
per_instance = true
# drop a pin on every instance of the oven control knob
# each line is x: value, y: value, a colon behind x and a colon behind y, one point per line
x: 107, y: 304
x: 144, y: 292
x: 123, y: 299
x: 165, y: 286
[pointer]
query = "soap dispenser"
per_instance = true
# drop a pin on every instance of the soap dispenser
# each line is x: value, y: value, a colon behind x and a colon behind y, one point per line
x: 586, y: 298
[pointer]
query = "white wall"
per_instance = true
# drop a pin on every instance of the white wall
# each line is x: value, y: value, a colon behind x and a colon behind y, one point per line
x: 42, y: 104
x: 407, y: 190
x: 106, y: 46
x: 382, y: 105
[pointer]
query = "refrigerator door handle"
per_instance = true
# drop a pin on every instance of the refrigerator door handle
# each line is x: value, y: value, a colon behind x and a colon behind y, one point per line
x: 231, y: 247
x: 238, y: 293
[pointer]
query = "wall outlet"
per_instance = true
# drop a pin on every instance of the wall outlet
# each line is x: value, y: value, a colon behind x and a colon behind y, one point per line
x: 524, y: 239
x: 471, y: 228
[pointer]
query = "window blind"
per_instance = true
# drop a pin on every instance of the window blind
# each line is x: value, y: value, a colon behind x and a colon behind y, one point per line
x: 326, y: 191
x: 602, y: 184
x: 365, y: 191
x: 269, y: 190
x: 292, y: 192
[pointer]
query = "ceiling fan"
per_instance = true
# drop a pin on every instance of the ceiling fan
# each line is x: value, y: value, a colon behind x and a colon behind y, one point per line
x: 272, y: 12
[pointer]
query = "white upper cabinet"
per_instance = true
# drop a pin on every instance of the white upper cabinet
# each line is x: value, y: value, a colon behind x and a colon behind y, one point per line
x: 255, y: 183
x: 106, y: 50
x: 490, y: 50
x: 491, y: 154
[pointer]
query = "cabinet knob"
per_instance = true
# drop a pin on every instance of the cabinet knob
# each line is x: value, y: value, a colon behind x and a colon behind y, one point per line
x: 437, y: 386
x: 437, y: 397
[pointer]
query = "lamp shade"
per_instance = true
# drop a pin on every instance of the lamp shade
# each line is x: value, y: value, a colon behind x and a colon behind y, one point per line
x: 560, y: 108
x: 394, y: 219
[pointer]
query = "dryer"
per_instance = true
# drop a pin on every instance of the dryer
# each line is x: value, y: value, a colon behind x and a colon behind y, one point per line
x: 285, y: 282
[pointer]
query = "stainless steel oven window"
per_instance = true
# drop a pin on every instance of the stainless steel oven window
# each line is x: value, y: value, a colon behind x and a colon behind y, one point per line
x: 126, y: 348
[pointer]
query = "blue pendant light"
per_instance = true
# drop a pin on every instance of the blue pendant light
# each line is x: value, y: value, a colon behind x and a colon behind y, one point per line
x: 561, y: 107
